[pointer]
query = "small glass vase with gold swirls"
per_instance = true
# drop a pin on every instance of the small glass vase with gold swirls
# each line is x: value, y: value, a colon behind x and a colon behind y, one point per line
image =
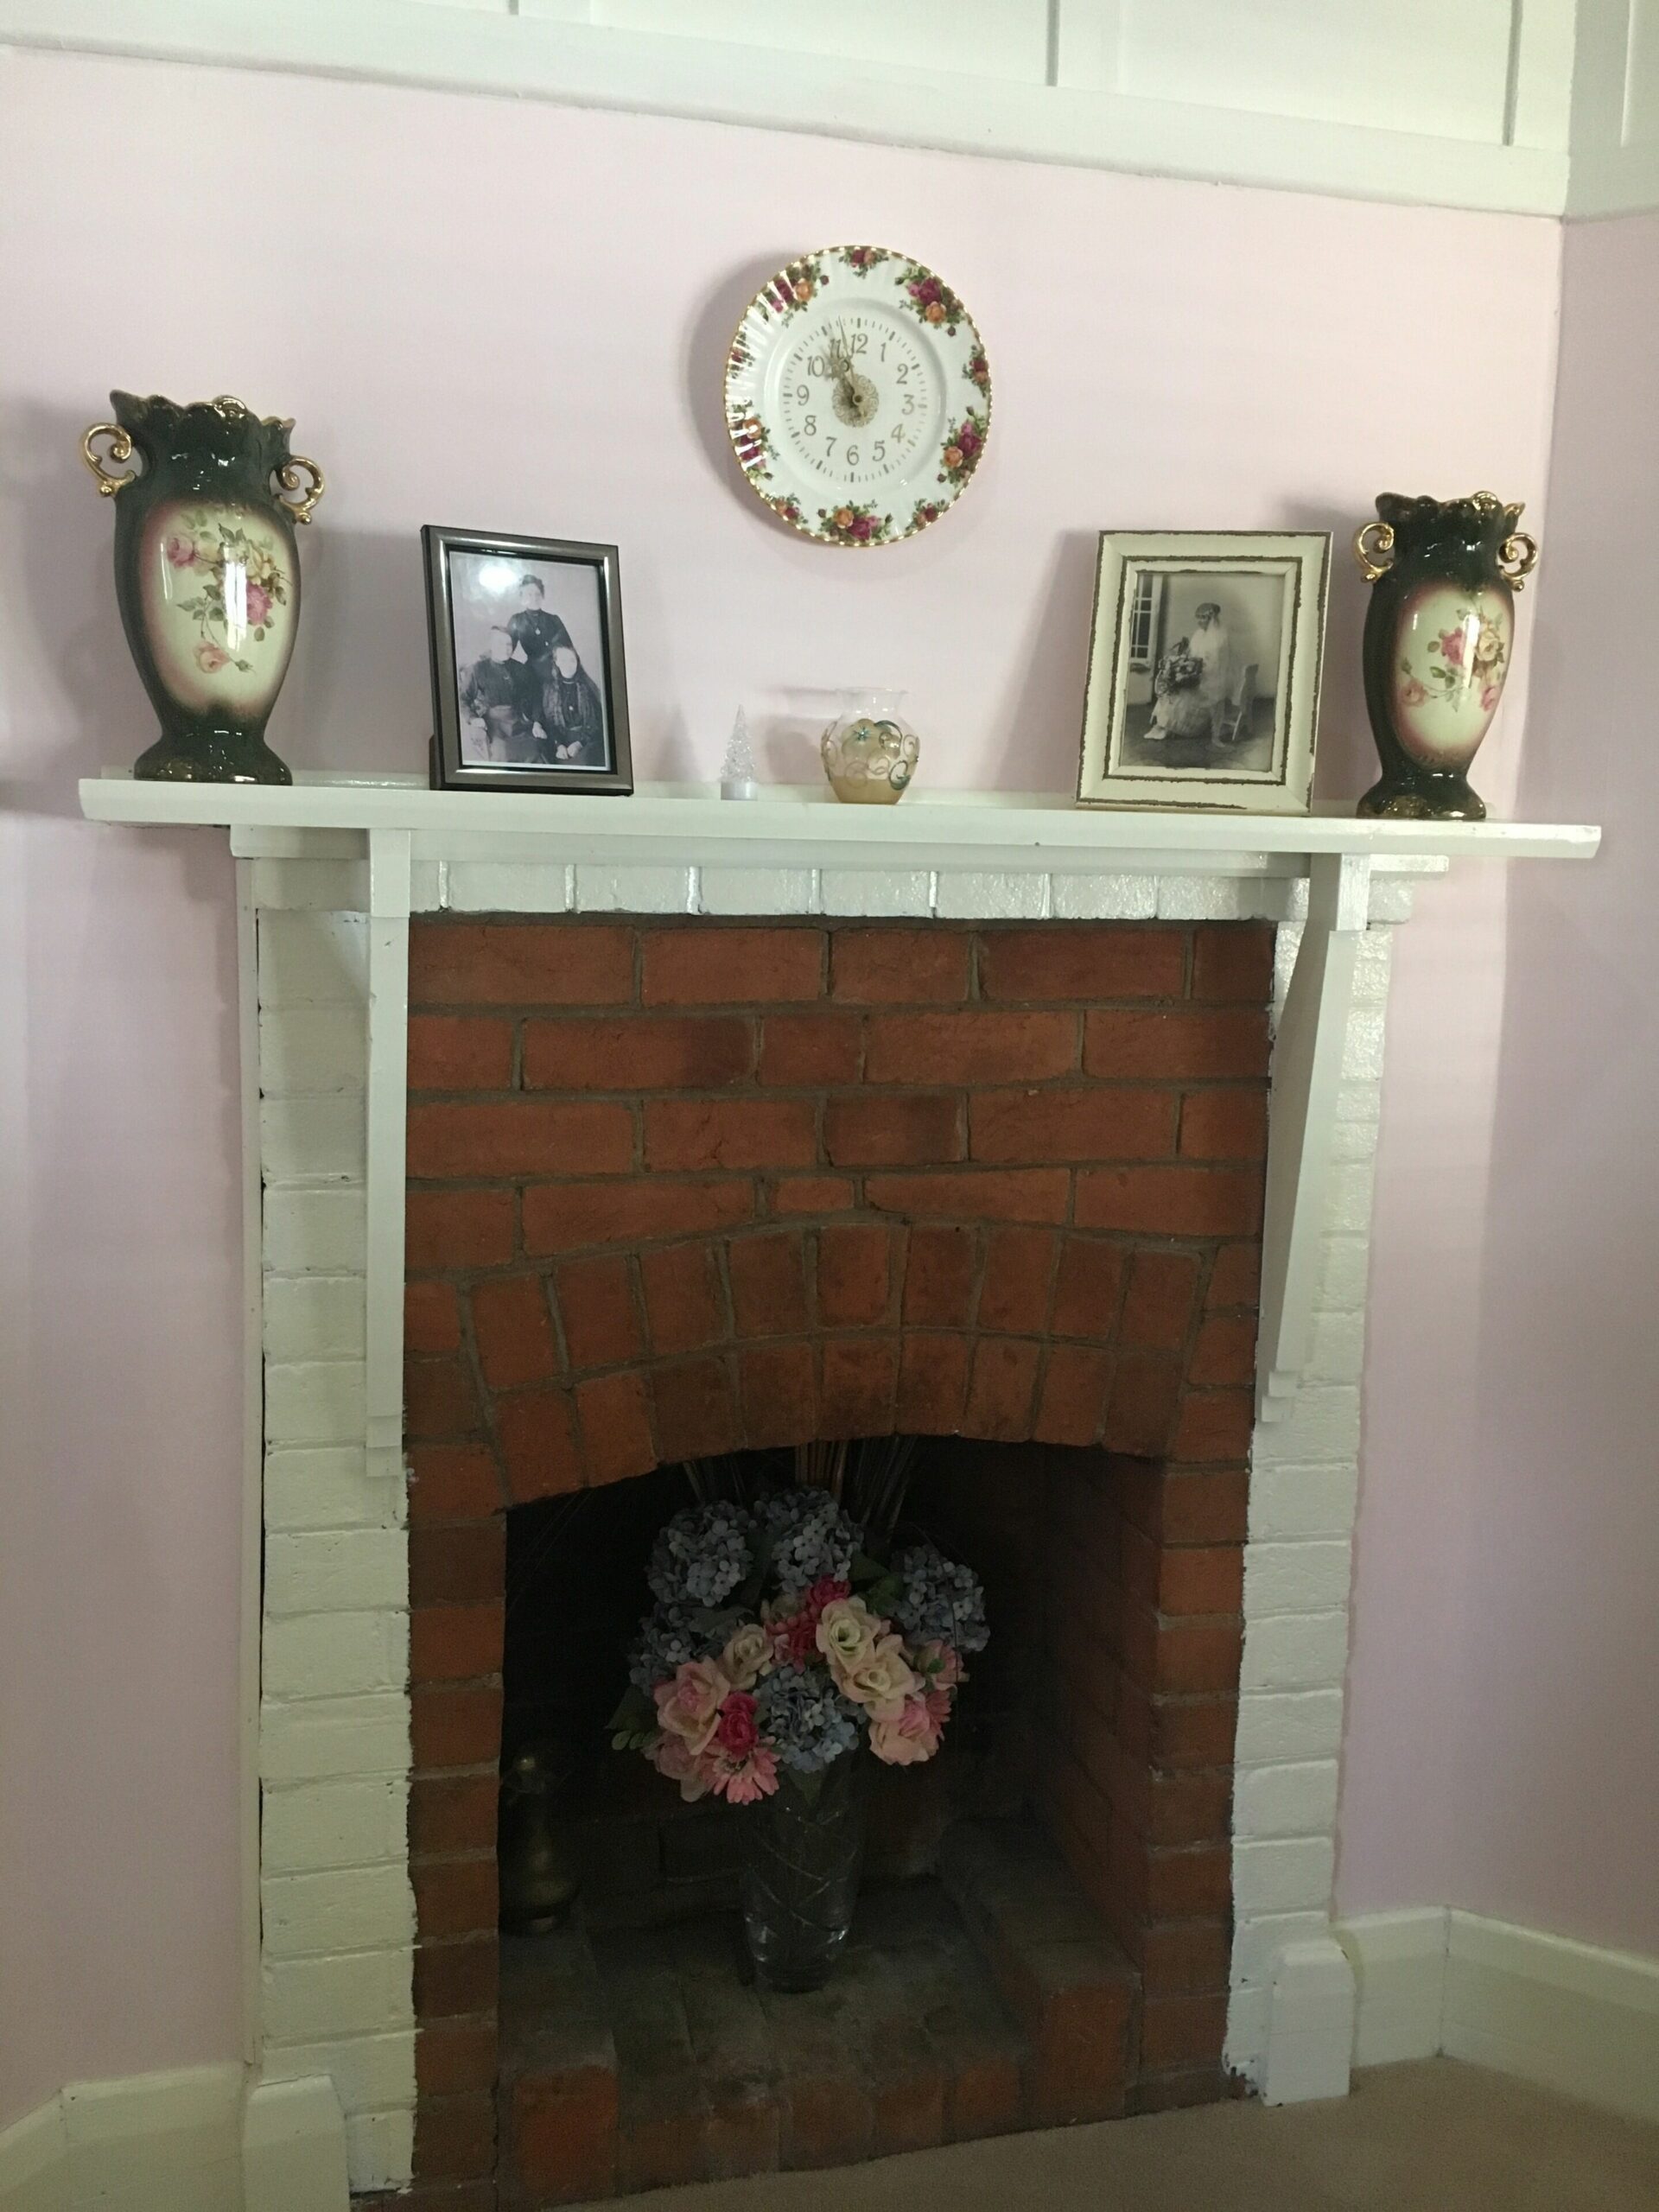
x: 206, y: 574
x: 869, y: 754
x: 1440, y: 635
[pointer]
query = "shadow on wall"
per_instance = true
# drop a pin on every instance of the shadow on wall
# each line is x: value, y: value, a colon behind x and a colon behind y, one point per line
x: 67, y: 620
x: 1060, y: 640
x: 1345, y: 763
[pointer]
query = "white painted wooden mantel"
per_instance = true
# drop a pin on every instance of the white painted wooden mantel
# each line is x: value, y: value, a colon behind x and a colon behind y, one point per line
x: 329, y: 871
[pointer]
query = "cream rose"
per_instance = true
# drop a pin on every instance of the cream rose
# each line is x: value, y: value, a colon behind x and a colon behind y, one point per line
x: 746, y: 1656
x: 688, y: 1706
x: 881, y: 1682
x: 847, y: 1633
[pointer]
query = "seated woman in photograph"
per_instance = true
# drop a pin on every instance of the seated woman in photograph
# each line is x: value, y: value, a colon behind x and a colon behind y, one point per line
x: 489, y: 694
x: 570, y: 714
x: 1177, y: 708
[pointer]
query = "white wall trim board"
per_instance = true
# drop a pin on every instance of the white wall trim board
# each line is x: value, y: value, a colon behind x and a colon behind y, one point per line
x: 1615, y: 126
x: 1569, y: 2016
x: 1399, y: 1962
x: 1302, y: 97
x: 1577, y: 2019
x: 34, y: 2168
x: 188, y: 2140
x: 294, y: 2148
x: 1310, y: 2023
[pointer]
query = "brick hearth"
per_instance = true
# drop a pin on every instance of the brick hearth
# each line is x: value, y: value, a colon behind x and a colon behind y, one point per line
x: 682, y: 1189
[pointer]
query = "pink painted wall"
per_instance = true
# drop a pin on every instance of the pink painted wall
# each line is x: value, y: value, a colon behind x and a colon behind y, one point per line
x: 1546, y: 1749
x: 515, y: 317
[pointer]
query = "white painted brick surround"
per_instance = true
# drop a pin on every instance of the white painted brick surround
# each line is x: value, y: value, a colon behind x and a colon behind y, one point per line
x: 334, y: 1725
x: 337, y: 1909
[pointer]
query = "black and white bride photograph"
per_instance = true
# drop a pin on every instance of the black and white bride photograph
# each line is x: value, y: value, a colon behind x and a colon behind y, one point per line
x: 528, y: 685
x: 1203, y: 679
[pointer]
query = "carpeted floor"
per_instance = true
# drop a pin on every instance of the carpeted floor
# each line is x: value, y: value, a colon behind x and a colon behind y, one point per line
x: 1437, y: 2137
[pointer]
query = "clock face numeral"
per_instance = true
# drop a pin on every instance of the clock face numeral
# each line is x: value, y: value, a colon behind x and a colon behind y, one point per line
x: 855, y: 389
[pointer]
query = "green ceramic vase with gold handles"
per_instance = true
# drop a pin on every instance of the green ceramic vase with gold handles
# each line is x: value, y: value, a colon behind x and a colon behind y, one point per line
x: 1439, y: 634
x: 206, y: 574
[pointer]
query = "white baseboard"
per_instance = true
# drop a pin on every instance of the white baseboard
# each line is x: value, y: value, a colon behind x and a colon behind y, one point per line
x: 1399, y: 1962
x: 294, y: 2148
x: 1581, y: 2020
x: 33, y: 2174
x: 1310, y: 2023
x: 1569, y: 2016
x: 195, y: 2141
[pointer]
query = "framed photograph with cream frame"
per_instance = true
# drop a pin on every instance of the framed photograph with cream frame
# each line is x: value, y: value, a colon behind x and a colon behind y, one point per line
x: 1203, y: 670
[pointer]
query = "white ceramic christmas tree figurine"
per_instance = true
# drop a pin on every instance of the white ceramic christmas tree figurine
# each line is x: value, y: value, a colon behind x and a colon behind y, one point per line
x: 737, y: 769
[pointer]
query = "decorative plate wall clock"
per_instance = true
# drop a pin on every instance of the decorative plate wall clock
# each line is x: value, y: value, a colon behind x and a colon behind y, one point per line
x: 857, y: 396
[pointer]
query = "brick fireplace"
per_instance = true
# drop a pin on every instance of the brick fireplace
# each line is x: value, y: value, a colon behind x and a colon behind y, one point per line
x: 371, y: 1603
x: 682, y: 1189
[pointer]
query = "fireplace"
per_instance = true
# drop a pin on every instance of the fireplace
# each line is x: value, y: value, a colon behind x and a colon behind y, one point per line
x: 677, y: 1191
x: 373, y: 1565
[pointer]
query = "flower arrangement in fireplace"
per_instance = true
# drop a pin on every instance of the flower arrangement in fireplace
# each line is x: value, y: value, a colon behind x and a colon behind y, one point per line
x: 787, y: 1634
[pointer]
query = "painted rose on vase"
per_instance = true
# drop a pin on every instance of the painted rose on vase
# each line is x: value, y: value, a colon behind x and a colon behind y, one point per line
x: 218, y: 587
x: 1453, y: 659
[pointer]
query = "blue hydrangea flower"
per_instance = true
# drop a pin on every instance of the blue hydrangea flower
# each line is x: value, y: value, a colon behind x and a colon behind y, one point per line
x: 670, y: 1635
x: 702, y: 1554
x: 811, y: 1537
x: 940, y: 1602
x: 805, y: 1719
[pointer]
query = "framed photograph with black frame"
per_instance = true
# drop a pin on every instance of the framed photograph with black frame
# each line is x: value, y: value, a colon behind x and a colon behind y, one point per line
x: 1203, y: 672
x: 529, y: 690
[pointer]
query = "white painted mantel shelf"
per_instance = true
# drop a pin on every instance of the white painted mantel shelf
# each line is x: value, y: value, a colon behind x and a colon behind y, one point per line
x: 965, y: 856
x: 328, y: 871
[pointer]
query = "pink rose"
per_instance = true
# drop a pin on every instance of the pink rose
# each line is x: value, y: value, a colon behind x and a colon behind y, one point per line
x: 1452, y: 645
x: 1490, y: 694
x: 968, y: 438
x: 210, y: 657
x: 670, y: 1756
x: 688, y: 1706
x: 182, y: 551
x: 1412, y: 693
x: 259, y: 605
x: 940, y: 1665
x: 736, y: 1734
x: 862, y: 526
x: 913, y: 1737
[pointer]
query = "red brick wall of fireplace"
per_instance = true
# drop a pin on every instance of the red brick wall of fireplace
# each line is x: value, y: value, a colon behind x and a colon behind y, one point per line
x: 681, y: 1188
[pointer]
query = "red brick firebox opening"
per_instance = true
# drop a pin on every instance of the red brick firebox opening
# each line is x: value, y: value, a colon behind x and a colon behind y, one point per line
x: 682, y: 1189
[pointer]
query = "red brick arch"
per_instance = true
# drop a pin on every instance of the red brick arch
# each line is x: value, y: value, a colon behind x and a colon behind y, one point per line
x: 605, y: 1364
x: 682, y: 1190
